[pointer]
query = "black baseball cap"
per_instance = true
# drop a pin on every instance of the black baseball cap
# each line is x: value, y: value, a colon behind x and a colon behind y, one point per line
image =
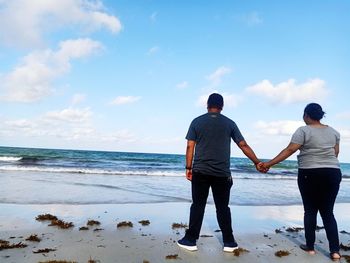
x: 215, y: 100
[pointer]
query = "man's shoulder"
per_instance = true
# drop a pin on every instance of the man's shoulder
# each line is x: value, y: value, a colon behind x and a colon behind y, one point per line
x: 226, y: 118
x: 204, y: 117
x: 200, y: 118
x: 228, y: 121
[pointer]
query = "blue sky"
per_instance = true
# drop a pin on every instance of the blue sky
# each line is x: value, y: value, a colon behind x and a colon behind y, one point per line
x: 131, y: 75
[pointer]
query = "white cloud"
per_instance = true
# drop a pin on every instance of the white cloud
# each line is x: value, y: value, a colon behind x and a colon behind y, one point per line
x: 32, y: 79
x: 163, y: 141
x: 343, y: 115
x: 202, y: 100
x: 289, y: 91
x: 23, y: 23
x: 69, y: 115
x: 98, y: 20
x: 153, y: 50
x: 78, y: 98
x: 120, y: 100
x: 230, y: 100
x: 344, y: 134
x: 182, y: 85
x: 76, y: 48
x: 119, y: 136
x: 278, y: 127
x: 71, y: 125
x: 216, y: 77
x: 20, y: 124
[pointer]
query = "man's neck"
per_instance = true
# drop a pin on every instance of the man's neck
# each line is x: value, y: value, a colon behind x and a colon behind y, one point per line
x: 213, y: 110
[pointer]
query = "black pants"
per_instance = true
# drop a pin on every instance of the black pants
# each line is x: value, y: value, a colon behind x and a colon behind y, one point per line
x: 220, y: 187
x: 319, y: 188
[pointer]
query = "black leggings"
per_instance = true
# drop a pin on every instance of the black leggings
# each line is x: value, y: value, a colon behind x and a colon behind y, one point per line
x: 319, y: 188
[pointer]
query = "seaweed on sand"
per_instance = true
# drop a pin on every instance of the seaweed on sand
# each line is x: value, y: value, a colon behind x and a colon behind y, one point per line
x: 175, y: 256
x: 54, y: 221
x: 46, y: 217
x: 6, y: 245
x: 318, y: 228
x: 57, y: 261
x: 92, y: 260
x: 83, y: 228
x: 206, y: 235
x: 344, y: 247
x: 282, y: 253
x: 33, y: 238
x: 93, y: 222
x: 347, y: 258
x: 145, y: 222
x: 294, y: 229
x: 125, y: 224
x: 239, y: 251
x: 61, y: 224
x: 3, y: 242
x: 44, y: 250
x: 178, y: 225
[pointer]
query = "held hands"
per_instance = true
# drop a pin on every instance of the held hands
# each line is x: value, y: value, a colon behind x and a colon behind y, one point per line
x: 262, y: 167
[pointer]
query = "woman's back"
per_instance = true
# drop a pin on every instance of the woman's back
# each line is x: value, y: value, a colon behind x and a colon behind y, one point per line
x: 317, y: 150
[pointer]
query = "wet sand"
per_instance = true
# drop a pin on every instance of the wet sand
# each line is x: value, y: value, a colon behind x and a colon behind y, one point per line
x: 254, y: 228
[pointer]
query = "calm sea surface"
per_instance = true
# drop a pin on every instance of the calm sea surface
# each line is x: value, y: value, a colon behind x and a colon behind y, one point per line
x: 48, y: 176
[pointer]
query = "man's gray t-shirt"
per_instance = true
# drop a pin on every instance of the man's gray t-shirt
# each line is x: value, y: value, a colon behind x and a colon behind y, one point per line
x: 317, y: 150
x: 212, y: 133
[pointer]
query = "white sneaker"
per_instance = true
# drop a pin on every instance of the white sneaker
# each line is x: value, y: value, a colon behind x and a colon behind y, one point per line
x: 187, y: 244
x: 230, y: 247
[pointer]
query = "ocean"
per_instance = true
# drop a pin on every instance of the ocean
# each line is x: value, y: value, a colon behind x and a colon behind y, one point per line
x: 50, y: 176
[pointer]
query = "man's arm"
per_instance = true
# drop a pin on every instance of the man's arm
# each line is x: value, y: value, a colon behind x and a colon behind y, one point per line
x: 189, y: 158
x: 243, y: 145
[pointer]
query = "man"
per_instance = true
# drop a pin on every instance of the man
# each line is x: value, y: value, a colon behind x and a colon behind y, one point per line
x: 209, y: 140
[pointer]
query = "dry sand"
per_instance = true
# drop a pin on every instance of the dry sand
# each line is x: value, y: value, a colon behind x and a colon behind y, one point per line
x: 254, y: 229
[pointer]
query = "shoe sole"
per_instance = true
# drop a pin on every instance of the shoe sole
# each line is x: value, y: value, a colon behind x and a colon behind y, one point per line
x: 230, y: 249
x: 189, y: 248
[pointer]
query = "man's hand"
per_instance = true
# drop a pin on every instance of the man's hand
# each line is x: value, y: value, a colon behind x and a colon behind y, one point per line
x: 262, y: 167
x: 189, y: 174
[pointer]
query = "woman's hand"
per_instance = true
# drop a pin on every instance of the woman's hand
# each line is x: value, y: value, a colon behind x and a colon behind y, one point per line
x: 262, y: 167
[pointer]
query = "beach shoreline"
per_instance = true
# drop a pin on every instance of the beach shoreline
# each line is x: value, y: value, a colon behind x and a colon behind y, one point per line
x: 254, y: 228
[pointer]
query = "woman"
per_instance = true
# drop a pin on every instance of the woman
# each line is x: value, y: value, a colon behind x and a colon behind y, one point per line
x: 319, y: 175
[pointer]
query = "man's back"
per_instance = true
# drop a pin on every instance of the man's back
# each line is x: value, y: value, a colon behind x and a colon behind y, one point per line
x: 208, y: 166
x: 212, y: 133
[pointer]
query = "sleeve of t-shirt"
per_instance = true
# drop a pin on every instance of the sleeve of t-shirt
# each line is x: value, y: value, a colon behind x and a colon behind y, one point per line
x: 236, y: 134
x: 298, y: 137
x: 191, y: 134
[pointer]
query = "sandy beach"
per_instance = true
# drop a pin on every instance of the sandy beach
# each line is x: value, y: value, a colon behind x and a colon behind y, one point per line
x: 254, y: 227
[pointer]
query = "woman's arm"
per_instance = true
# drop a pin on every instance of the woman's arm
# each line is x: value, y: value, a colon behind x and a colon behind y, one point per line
x: 284, y: 154
x: 336, y: 150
